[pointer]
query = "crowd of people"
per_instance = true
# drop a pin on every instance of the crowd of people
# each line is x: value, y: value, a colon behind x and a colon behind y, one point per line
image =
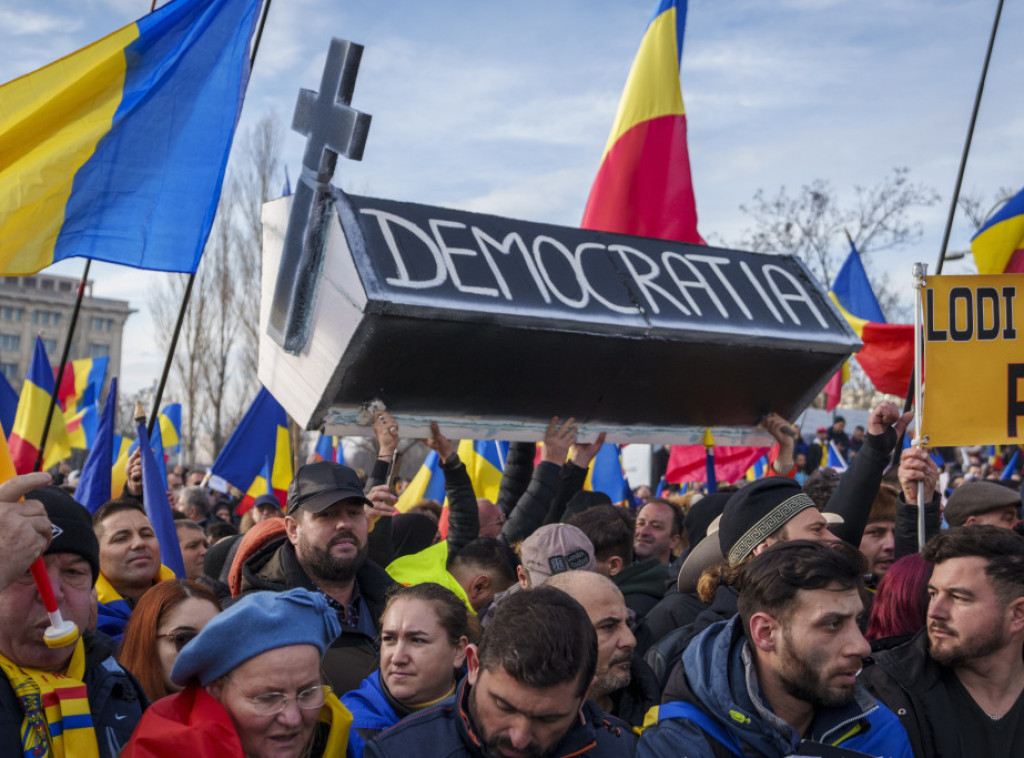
x: 793, y: 615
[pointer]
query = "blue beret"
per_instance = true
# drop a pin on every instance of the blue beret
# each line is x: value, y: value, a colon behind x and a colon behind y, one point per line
x: 257, y: 623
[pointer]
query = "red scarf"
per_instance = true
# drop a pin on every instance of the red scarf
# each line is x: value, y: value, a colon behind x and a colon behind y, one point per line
x: 188, y: 723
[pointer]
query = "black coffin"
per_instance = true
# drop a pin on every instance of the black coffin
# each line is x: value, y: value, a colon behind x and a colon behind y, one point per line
x: 444, y: 313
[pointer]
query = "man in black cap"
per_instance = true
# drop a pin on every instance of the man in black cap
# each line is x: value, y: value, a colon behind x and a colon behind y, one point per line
x: 325, y: 550
x: 44, y: 714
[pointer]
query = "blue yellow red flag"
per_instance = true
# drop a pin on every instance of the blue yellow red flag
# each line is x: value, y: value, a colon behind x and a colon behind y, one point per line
x: 116, y: 152
x: 170, y: 427
x: 427, y: 484
x: 8, y: 404
x: 27, y: 432
x: 95, y: 483
x: 154, y: 498
x: 82, y: 384
x: 998, y: 246
x: 643, y: 185
x: 605, y: 474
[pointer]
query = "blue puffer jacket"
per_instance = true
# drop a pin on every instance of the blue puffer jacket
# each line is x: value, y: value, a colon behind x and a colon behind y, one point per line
x: 371, y: 712
x: 720, y: 675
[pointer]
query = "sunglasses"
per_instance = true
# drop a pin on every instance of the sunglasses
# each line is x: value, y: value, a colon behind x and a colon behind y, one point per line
x: 180, y: 637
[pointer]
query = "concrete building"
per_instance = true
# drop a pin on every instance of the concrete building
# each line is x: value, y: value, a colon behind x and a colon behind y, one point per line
x: 42, y: 305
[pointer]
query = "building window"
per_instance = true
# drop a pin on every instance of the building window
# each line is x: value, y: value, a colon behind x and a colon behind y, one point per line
x: 10, y: 371
x: 10, y: 342
x: 46, y: 284
x: 11, y: 313
x: 51, y: 348
x: 46, y: 318
x: 65, y: 286
x: 99, y: 351
x: 102, y: 324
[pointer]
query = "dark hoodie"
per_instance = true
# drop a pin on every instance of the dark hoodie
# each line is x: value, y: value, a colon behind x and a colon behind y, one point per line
x: 722, y: 681
x: 642, y: 584
x: 354, y: 655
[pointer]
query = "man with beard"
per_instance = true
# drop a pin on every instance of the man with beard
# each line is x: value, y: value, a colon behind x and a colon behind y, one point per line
x: 525, y: 695
x: 780, y: 678
x: 959, y: 684
x: 624, y: 686
x: 324, y: 551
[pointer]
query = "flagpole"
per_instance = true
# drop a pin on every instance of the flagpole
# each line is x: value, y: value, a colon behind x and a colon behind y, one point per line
x: 192, y: 277
x: 967, y: 142
x: 63, y: 360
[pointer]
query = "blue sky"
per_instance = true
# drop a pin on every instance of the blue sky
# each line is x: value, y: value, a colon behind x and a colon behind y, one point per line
x: 506, y: 107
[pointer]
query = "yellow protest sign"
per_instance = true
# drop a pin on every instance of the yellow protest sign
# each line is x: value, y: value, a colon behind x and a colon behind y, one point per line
x: 973, y: 363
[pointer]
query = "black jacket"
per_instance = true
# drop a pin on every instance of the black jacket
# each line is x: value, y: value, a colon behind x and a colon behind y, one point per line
x: 116, y: 701
x: 858, y: 486
x: 908, y: 681
x: 533, y: 505
x: 445, y: 731
x: 905, y: 534
x: 354, y: 655
x: 463, y: 514
x: 666, y: 658
x: 643, y: 692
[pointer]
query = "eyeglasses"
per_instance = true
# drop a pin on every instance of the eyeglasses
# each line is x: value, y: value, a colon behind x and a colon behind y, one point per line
x: 270, y: 703
x: 180, y: 637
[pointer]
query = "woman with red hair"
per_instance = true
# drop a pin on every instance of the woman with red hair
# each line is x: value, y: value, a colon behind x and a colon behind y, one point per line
x: 901, y: 603
x: 166, y: 618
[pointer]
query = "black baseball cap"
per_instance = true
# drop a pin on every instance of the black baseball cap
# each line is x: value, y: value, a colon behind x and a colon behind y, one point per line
x: 318, y: 486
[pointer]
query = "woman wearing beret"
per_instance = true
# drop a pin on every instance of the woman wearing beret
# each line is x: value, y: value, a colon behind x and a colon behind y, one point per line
x: 252, y: 686
x: 424, y: 631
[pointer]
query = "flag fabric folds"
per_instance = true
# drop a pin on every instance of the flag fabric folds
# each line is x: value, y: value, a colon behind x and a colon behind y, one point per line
x: 428, y: 484
x: 643, y: 185
x: 27, y: 432
x: 117, y: 152
x: 8, y: 405
x: 94, y: 485
x: 852, y: 289
x: 606, y: 475
x: 329, y: 449
x: 688, y: 463
x: 262, y: 433
x: 484, y: 461
x: 82, y: 384
x: 835, y: 458
x: 82, y: 427
x: 154, y: 498
x: 7, y: 470
x: 998, y: 247
x: 120, y: 453
x: 170, y: 427
x: 274, y: 477
x: 887, y: 356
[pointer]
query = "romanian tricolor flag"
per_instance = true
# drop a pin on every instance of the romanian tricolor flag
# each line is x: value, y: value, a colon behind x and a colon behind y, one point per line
x: 120, y: 453
x: 689, y: 463
x: 485, y: 462
x: 82, y: 427
x: 27, y: 434
x: 329, y: 449
x: 643, y: 185
x: 605, y: 474
x: 998, y: 246
x: 887, y: 356
x: 117, y: 151
x: 262, y: 434
x: 275, y: 476
x: 170, y: 427
x: 96, y: 481
x: 82, y: 384
x: 428, y: 484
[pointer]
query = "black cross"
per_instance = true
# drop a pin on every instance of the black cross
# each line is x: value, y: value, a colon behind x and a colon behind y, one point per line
x: 333, y: 128
x: 327, y: 118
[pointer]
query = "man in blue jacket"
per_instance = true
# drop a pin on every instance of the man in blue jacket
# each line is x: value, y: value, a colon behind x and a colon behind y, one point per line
x: 525, y: 693
x: 780, y: 678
